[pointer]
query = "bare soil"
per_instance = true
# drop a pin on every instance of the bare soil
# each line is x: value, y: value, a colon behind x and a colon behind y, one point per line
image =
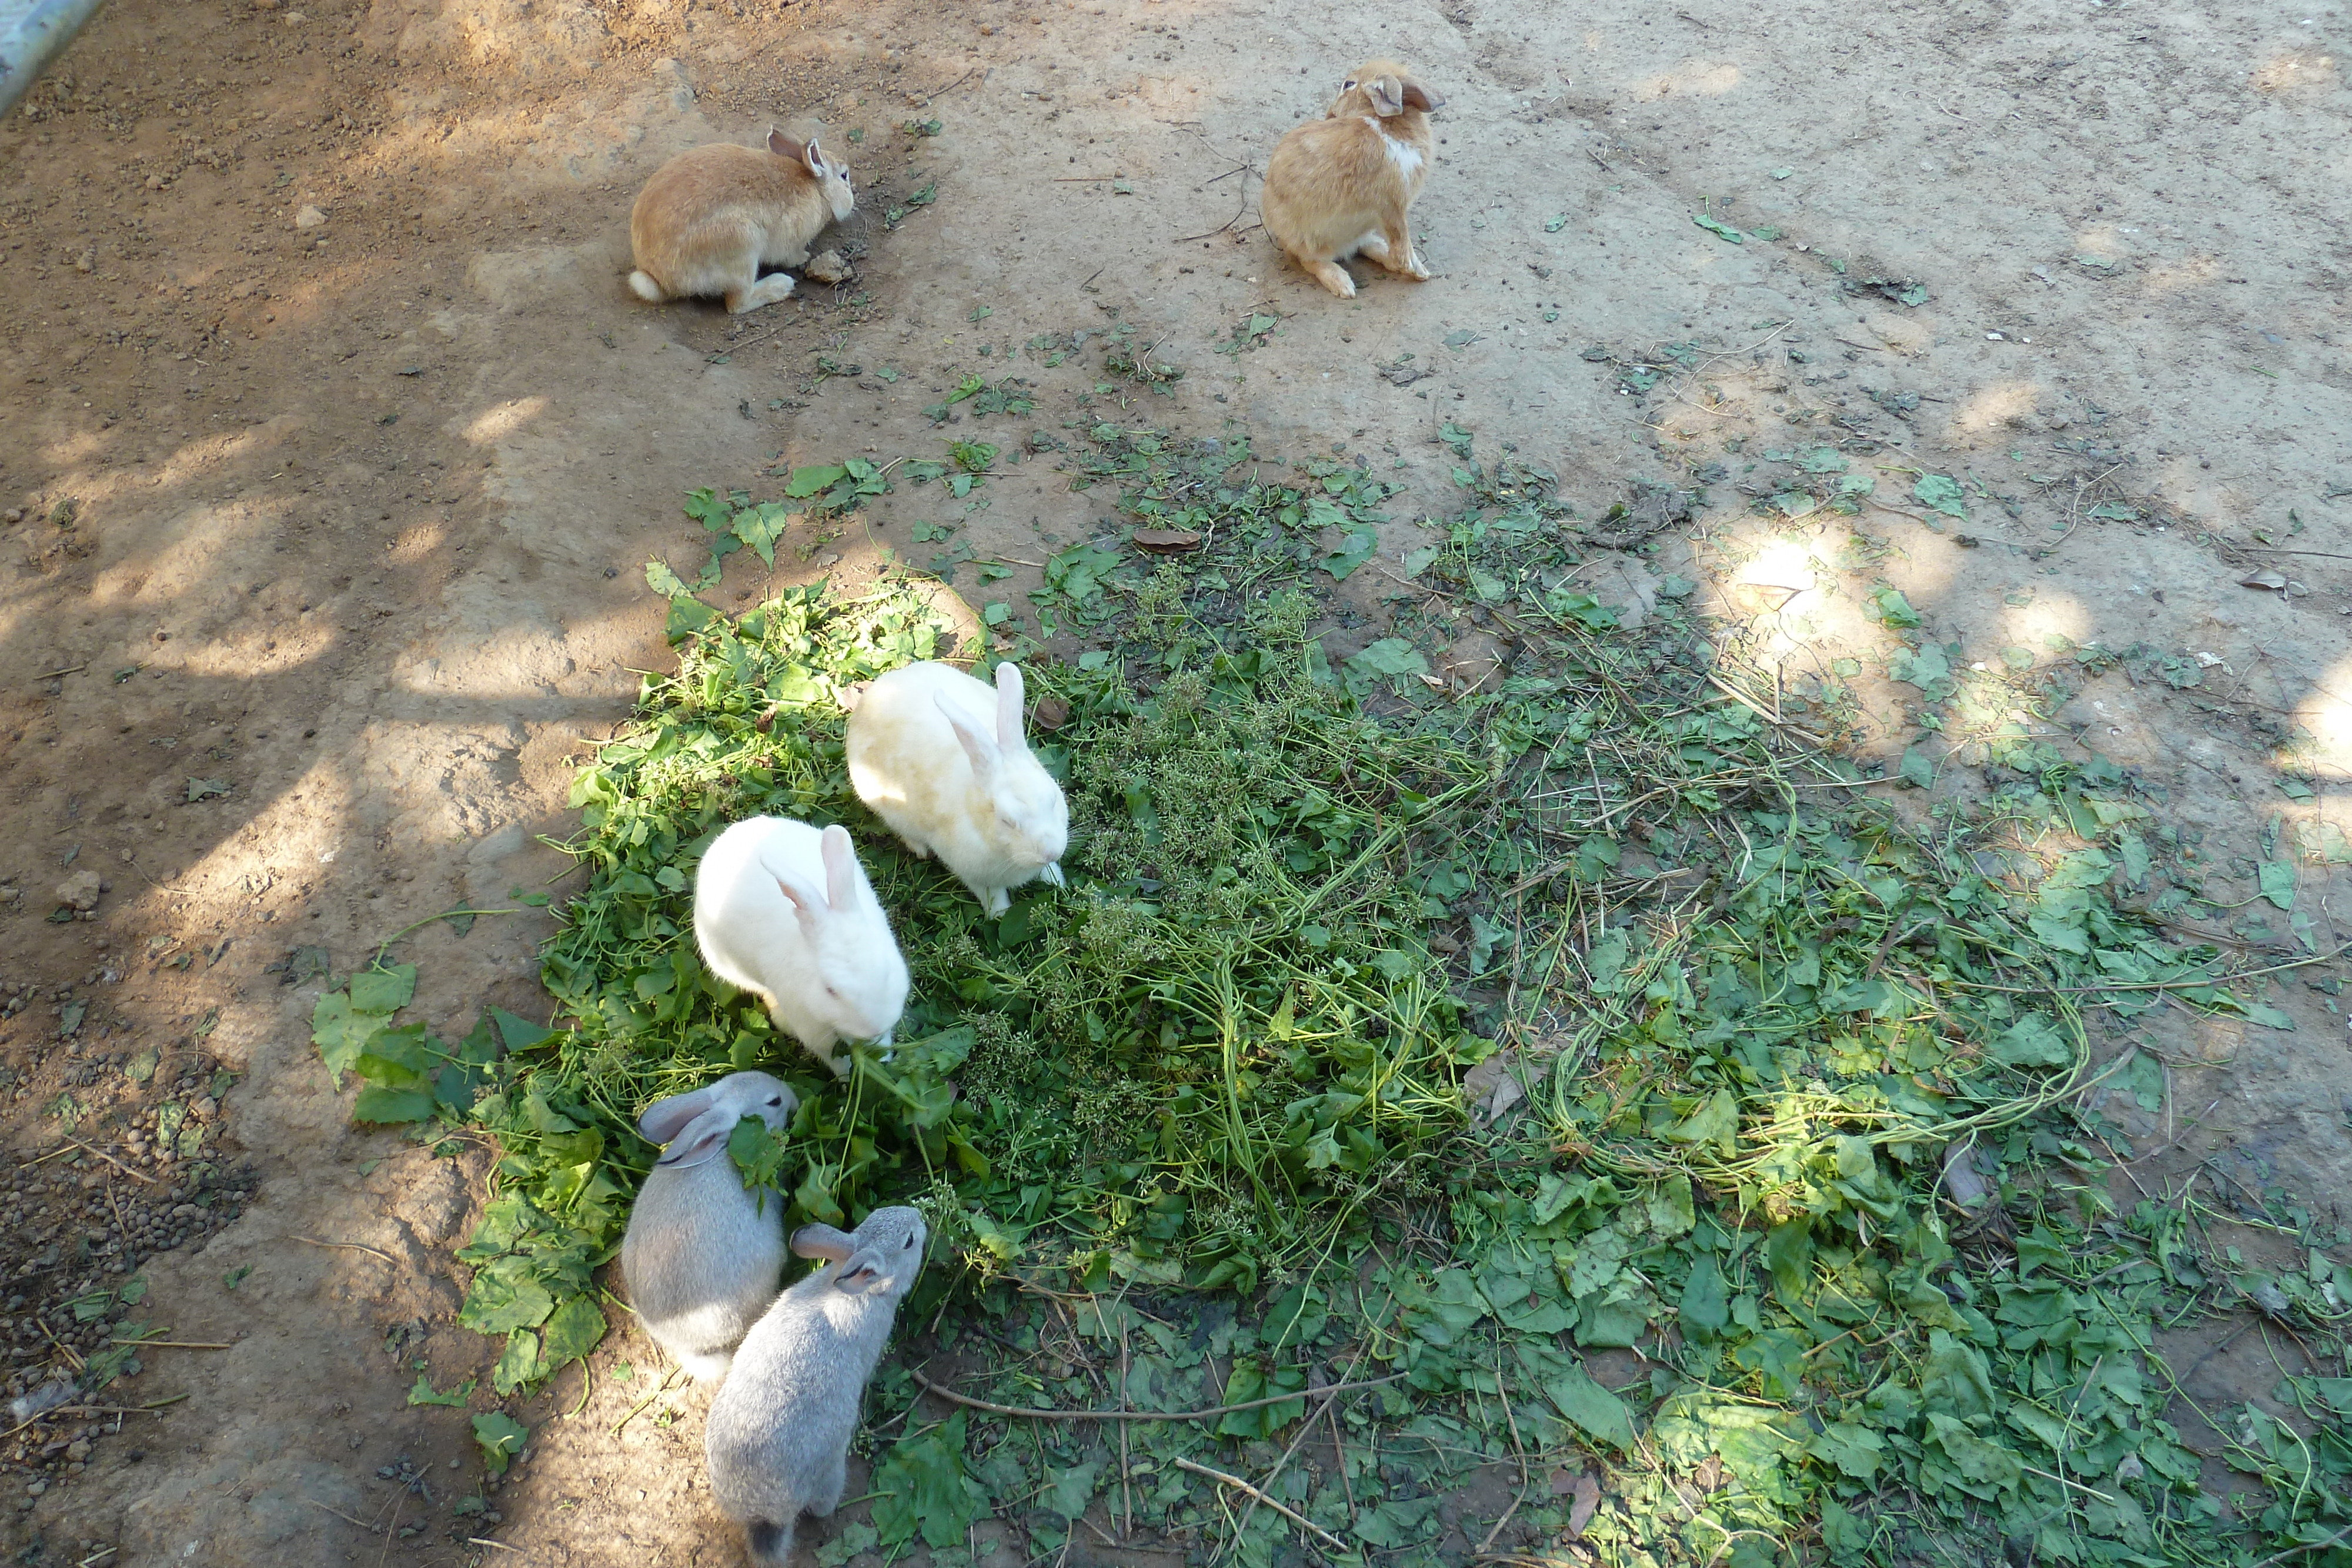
x: 334, y: 447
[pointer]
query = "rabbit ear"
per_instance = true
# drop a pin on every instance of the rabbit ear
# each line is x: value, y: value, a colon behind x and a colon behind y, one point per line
x: 663, y: 1118
x: 1009, y: 697
x: 1419, y: 97
x: 783, y: 146
x: 840, y: 867
x: 862, y: 1274
x: 806, y: 902
x: 815, y: 158
x: 703, y: 1138
x: 1387, y: 94
x: 977, y: 746
x: 822, y: 1241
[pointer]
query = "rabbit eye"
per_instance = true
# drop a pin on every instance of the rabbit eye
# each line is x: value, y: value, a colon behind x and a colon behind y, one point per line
x: 1348, y: 83
x: 775, y: 1099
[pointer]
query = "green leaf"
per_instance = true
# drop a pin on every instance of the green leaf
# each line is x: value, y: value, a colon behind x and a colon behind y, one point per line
x: 1942, y: 493
x: 501, y: 1437
x: 1719, y: 229
x: 2277, y: 881
x: 388, y: 1107
x: 1918, y: 769
x: 1706, y: 1306
x: 1715, y: 1122
x: 1854, y: 1450
x: 1067, y: 1491
x: 576, y: 1329
x: 1555, y: 222
x: 424, y: 1394
x: 1598, y: 1413
x: 923, y: 1485
x: 814, y: 480
x: 1891, y: 608
x: 519, y: 1366
x: 2033, y: 1042
x: 341, y: 1034
x: 384, y: 990
x: 205, y: 789
x: 1390, y: 656
x: 1356, y: 548
x: 500, y: 1302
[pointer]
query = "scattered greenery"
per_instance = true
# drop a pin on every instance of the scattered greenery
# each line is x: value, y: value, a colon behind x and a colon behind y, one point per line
x: 1630, y: 1081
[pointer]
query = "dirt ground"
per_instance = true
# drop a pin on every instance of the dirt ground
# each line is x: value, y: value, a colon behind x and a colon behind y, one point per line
x: 334, y: 449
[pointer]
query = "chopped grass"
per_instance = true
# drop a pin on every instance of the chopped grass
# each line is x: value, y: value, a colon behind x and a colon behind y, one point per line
x: 1488, y: 1039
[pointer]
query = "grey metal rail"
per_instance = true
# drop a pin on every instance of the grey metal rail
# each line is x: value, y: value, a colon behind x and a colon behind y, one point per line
x: 32, y: 34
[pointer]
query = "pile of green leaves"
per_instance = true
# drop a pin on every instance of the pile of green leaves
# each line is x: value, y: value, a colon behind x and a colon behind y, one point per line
x: 1783, y: 1091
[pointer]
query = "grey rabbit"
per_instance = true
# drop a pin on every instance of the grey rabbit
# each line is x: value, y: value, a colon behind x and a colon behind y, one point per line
x: 777, y: 1439
x: 703, y: 1255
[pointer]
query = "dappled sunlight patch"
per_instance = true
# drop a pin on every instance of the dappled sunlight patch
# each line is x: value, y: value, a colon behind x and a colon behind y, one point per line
x: 1997, y: 407
x: 1704, y: 78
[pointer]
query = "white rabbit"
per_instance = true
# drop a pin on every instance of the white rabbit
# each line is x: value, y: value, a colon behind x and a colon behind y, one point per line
x: 703, y: 1255
x: 777, y: 1439
x: 941, y: 758
x: 823, y: 961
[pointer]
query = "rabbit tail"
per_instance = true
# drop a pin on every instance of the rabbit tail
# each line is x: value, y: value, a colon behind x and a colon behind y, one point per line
x: 642, y: 284
x: 770, y: 1542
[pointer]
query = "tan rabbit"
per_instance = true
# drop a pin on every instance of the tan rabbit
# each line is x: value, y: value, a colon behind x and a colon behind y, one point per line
x: 1343, y: 183
x: 711, y: 215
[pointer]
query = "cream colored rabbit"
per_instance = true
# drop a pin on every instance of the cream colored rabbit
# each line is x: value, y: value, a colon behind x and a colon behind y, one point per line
x: 1344, y: 184
x: 710, y: 217
x: 941, y: 758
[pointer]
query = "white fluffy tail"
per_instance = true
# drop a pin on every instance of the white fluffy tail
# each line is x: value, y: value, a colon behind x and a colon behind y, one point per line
x: 642, y: 284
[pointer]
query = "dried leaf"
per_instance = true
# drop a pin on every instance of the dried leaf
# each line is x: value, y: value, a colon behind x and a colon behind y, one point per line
x: 1167, y: 542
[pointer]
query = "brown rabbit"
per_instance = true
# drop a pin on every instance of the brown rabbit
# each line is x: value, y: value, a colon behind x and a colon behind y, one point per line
x: 1343, y: 183
x: 711, y: 215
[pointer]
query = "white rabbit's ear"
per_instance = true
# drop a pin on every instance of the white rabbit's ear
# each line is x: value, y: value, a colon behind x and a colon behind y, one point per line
x: 663, y: 1118
x: 1419, y: 97
x: 1009, y: 695
x: 862, y: 1274
x: 813, y: 158
x: 703, y: 1138
x: 806, y: 902
x: 822, y: 1241
x: 1387, y: 94
x: 840, y: 867
x: 977, y: 745
x: 783, y: 146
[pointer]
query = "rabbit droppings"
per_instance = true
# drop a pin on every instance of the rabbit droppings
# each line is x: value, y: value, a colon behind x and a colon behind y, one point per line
x: 711, y: 215
x: 941, y: 758
x: 777, y: 1439
x: 823, y: 962
x: 702, y: 1255
x: 1343, y: 183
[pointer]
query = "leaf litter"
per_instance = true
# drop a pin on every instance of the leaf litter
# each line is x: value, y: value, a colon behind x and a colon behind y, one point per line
x: 1792, y: 1246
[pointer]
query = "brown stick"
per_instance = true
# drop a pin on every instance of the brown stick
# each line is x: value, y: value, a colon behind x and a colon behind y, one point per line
x: 102, y: 1153
x: 171, y: 1344
x: 1036, y: 1414
x: 1241, y: 1486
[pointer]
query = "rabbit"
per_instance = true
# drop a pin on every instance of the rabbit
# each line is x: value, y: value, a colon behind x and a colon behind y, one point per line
x: 1343, y: 183
x: 823, y: 962
x: 777, y: 1438
x: 709, y: 216
x: 702, y: 1255
x: 941, y: 758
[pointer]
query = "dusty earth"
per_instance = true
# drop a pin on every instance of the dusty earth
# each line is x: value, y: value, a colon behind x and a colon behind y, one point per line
x: 334, y: 449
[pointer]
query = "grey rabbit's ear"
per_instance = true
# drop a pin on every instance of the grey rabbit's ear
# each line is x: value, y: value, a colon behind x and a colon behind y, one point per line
x: 1387, y: 94
x: 861, y: 1275
x: 822, y: 1241
x: 703, y: 1138
x: 663, y: 1118
x: 1419, y: 97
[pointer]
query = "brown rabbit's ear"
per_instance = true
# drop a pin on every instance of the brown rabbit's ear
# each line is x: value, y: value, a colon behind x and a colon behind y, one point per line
x: 822, y: 1241
x: 1419, y: 97
x: 814, y: 158
x: 783, y: 146
x: 1387, y: 94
